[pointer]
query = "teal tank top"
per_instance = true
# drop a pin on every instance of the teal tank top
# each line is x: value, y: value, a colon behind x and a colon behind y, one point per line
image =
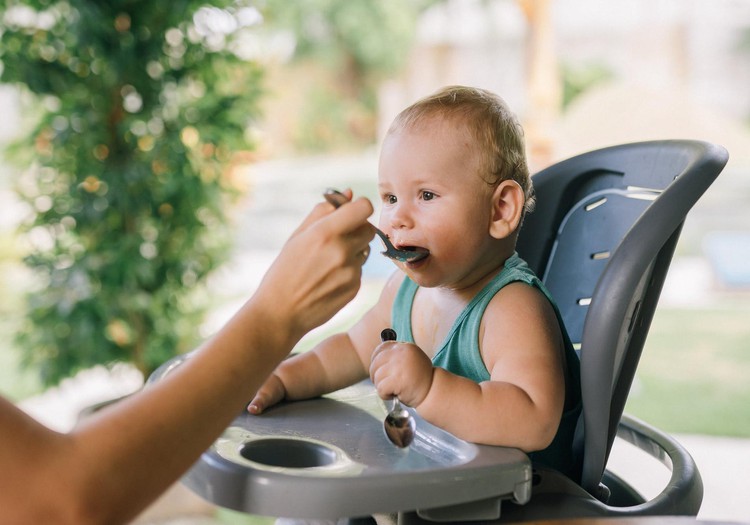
x: 460, y: 355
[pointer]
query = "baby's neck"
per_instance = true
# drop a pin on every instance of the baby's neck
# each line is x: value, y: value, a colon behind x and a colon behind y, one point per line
x: 473, y: 283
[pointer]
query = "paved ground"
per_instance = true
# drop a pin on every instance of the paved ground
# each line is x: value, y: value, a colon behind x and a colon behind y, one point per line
x: 281, y: 194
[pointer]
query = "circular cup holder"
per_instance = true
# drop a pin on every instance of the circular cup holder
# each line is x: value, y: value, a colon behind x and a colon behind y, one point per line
x: 288, y: 453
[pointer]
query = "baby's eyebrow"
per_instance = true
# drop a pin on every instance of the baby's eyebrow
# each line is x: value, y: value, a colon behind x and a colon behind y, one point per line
x: 384, y: 190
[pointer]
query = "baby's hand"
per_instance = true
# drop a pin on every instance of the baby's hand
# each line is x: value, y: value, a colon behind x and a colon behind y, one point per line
x: 403, y: 370
x: 270, y: 393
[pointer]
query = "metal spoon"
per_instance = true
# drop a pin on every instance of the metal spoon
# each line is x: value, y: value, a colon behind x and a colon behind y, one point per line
x: 406, y: 255
x: 399, y: 425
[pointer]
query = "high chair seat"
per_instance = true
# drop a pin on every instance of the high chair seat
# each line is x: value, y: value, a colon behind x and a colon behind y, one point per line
x: 602, y: 237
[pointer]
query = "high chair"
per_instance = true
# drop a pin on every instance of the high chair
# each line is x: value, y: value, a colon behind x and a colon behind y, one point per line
x: 602, y: 237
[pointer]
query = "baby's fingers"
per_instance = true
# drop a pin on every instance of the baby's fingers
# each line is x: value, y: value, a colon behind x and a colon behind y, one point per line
x: 379, y: 359
x: 261, y: 402
x: 268, y: 395
x: 257, y: 405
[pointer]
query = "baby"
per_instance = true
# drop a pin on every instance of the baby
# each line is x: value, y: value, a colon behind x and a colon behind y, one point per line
x: 482, y: 351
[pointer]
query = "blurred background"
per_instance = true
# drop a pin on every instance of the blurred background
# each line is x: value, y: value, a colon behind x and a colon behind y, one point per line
x: 155, y: 158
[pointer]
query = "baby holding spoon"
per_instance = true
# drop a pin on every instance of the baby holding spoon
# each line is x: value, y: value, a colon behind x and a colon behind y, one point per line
x: 482, y: 351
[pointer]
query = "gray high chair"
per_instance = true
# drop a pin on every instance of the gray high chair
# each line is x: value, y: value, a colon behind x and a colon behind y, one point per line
x: 602, y: 238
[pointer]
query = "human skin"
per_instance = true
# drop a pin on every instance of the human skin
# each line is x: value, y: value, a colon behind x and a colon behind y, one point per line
x: 433, y: 197
x: 114, y: 464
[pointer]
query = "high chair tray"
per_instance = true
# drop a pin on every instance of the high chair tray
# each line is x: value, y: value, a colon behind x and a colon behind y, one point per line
x: 329, y: 458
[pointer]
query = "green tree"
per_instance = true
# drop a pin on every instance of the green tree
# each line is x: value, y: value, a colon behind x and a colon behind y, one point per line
x: 143, y: 105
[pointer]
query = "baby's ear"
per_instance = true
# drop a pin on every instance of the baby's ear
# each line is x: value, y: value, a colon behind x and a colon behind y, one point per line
x: 507, y: 208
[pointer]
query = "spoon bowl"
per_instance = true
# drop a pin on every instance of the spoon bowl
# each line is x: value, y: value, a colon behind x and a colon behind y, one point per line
x: 399, y: 425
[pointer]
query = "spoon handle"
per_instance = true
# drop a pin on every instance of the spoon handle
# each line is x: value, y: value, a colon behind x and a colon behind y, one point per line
x: 388, y: 334
x: 399, y: 425
x: 335, y: 197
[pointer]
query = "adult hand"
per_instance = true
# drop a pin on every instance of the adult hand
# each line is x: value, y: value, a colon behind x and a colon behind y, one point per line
x: 320, y: 267
x: 403, y: 370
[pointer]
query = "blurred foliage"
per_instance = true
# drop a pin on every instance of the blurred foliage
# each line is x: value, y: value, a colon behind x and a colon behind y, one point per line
x: 355, y: 45
x: 143, y: 105
x: 579, y: 78
x: 15, y: 384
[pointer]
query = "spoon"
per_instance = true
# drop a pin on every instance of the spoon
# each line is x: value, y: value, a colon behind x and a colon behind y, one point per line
x: 399, y: 424
x: 406, y: 255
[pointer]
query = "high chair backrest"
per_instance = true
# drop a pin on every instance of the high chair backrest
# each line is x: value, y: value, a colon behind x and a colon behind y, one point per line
x: 602, y: 237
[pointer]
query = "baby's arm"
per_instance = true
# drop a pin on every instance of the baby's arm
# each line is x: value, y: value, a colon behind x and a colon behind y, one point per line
x: 338, y: 361
x: 522, y: 403
x: 311, y: 374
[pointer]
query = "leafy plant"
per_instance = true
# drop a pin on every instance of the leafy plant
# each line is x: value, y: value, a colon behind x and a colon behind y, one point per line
x: 143, y: 107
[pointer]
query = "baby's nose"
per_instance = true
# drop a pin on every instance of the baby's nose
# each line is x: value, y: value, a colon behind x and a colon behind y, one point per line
x: 401, y: 217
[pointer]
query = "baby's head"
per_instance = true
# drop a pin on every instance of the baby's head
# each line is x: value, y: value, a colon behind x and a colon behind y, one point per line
x: 487, y: 118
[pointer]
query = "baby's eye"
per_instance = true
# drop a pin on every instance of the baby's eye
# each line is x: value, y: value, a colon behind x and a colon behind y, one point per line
x: 427, y: 195
x: 390, y: 199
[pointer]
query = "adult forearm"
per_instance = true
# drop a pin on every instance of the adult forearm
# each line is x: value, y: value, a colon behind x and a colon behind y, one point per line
x: 131, y: 458
x: 119, y: 460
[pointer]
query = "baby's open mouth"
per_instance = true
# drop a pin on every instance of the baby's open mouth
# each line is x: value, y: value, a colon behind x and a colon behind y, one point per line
x: 405, y: 253
x: 413, y: 253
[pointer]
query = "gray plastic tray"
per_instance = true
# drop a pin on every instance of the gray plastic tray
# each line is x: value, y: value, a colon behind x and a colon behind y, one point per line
x: 328, y: 458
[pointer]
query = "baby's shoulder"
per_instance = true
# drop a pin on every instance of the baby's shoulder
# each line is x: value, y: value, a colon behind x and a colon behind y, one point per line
x: 520, y: 301
x: 519, y: 320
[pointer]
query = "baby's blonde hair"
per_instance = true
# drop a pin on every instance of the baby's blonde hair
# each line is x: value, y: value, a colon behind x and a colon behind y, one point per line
x: 488, y: 118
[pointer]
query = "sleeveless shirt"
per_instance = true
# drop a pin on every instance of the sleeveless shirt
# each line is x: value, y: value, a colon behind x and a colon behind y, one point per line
x: 459, y: 353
